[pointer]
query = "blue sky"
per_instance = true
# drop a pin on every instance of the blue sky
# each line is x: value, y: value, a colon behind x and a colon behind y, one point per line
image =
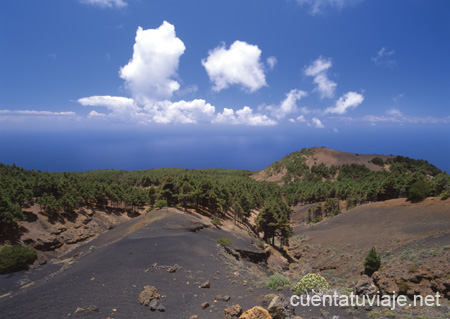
x: 133, y: 84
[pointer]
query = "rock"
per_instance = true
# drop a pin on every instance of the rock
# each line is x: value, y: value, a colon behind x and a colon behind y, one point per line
x: 160, y: 307
x: 233, y: 311
x: 365, y: 286
x: 147, y: 295
x: 92, y: 308
x: 156, y: 305
x: 279, y: 308
x: 256, y: 313
x: 173, y: 268
x: 205, y: 305
x: 298, y: 255
x: 222, y: 298
x: 79, y: 309
x: 206, y: 284
x: 193, y: 317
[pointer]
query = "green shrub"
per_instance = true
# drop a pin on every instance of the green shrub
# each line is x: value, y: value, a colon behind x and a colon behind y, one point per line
x: 161, y: 203
x: 309, y: 283
x: 216, y: 221
x: 277, y: 282
x: 224, y: 241
x: 419, y: 190
x: 372, y: 262
x: 413, y: 268
x: 377, y: 161
x: 16, y: 258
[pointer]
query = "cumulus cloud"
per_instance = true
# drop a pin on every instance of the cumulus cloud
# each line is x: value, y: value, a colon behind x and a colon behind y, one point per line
x: 243, y: 116
x: 318, y: 70
x: 287, y: 106
x: 150, y: 73
x: 315, y: 122
x: 349, y: 100
x: 271, y: 62
x: 238, y: 65
x: 319, y: 6
x: 384, y: 58
x: 121, y: 108
x: 126, y: 109
x: 94, y: 114
x: 106, y: 3
x: 180, y: 112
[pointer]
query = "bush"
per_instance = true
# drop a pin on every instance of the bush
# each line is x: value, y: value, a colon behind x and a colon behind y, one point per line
x: 224, y: 241
x: 216, y: 221
x: 419, y: 190
x: 309, y: 283
x: 16, y: 258
x: 277, y: 282
x: 372, y: 262
x: 377, y: 161
x: 161, y: 203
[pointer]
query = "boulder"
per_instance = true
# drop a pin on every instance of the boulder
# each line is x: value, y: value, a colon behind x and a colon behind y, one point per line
x: 279, y: 308
x: 156, y: 305
x: 147, y: 295
x: 256, y: 313
x: 365, y: 286
x: 233, y: 311
x: 205, y: 305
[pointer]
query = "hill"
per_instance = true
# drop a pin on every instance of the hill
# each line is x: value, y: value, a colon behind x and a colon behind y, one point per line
x: 326, y: 162
x: 101, y: 236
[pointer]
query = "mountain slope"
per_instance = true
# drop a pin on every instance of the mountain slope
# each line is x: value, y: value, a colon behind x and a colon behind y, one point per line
x: 298, y: 163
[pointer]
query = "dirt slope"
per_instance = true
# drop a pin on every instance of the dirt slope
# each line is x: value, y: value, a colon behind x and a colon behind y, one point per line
x: 413, y: 240
x: 112, y: 275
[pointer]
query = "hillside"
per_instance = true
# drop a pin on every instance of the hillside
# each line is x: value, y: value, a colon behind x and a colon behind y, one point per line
x: 299, y: 165
x: 318, y: 174
x: 101, y: 236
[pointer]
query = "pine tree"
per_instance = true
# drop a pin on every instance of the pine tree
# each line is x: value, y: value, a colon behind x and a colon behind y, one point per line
x: 372, y: 262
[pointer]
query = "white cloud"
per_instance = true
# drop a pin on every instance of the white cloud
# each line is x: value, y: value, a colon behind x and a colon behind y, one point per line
x: 384, y: 58
x: 150, y: 72
x: 287, y: 106
x: 271, y: 62
x: 106, y: 3
x: 37, y: 113
x: 319, y: 6
x: 315, y: 122
x: 121, y: 108
x: 394, y: 112
x: 126, y: 109
x: 32, y: 116
x: 180, y: 112
x: 348, y: 101
x: 243, y: 116
x: 94, y: 114
x: 304, y: 110
x: 318, y: 69
x: 239, y: 65
x: 300, y: 119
